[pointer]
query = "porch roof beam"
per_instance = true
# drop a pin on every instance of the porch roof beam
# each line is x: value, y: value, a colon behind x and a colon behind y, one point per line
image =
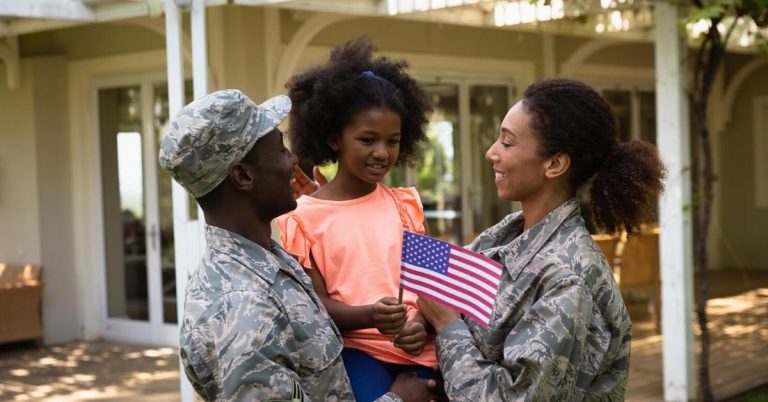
x: 108, y: 12
x: 370, y: 8
x: 78, y: 11
x: 47, y: 9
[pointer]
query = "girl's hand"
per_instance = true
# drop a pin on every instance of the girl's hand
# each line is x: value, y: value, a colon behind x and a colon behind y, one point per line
x: 411, y: 338
x: 389, y: 316
x: 436, y: 314
x: 302, y: 185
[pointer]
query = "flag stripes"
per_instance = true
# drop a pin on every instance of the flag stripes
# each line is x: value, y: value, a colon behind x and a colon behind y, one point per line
x: 461, y: 279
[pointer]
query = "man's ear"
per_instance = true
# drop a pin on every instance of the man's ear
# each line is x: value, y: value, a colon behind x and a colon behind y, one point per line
x: 557, y: 165
x: 242, y: 176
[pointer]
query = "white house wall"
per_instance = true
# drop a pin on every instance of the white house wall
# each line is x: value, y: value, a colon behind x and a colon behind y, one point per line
x: 35, y: 188
x: 19, y: 217
x: 54, y: 183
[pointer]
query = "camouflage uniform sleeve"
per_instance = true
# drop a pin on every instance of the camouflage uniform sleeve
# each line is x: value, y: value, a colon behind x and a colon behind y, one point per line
x: 541, y: 351
x: 247, y: 342
x: 389, y: 397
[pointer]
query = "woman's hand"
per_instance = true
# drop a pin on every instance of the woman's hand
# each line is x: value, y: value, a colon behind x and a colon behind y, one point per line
x: 389, y: 316
x: 411, y: 338
x: 436, y: 314
x: 302, y: 185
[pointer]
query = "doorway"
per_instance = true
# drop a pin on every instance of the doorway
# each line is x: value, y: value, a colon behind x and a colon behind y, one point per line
x: 139, y: 270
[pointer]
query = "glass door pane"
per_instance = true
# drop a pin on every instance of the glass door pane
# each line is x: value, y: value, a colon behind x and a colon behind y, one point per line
x: 437, y: 171
x: 488, y: 104
x: 123, y: 203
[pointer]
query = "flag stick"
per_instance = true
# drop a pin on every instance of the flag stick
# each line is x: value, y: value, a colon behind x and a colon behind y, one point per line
x: 400, y: 296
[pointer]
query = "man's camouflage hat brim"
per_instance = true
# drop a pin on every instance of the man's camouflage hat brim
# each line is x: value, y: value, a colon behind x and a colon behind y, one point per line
x: 212, y: 133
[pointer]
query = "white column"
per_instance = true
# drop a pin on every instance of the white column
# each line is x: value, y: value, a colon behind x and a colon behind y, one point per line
x: 199, y: 88
x: 199, y: 50
x: 184, y: 231
x: 673, y: 139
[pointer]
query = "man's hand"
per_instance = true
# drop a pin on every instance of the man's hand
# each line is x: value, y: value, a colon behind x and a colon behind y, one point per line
x: 302, y: 185
x: 411, y: 338
x: 389, y: 316
x: 437, y: 387
x: 436, y: 314
x: 411, y: 388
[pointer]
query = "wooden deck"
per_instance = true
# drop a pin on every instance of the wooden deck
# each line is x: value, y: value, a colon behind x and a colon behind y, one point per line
x: 738, y: 311
x: 108, y: 371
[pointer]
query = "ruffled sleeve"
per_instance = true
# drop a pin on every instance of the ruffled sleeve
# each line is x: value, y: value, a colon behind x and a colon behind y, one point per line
x: 294, y: 237
x: 410, y: 202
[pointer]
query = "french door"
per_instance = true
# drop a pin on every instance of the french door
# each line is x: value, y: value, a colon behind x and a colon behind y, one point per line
x: 139, y: 293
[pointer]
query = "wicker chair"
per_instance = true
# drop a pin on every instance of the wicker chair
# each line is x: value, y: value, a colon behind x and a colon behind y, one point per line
x: 635, y: 264
x: 637, y: 269
x: 21, y: 293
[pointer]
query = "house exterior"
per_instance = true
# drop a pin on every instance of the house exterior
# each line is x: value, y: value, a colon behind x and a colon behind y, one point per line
x: 84, y: 100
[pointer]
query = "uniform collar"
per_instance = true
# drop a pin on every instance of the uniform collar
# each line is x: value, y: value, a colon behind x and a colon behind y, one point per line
x: 516, y: 247
x: 251, y: 255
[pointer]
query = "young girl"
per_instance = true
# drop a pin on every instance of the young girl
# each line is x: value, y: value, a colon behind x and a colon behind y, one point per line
x: 366, y: 115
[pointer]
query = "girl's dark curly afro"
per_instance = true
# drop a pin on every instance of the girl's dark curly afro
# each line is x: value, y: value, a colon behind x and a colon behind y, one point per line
x: 327, y: 97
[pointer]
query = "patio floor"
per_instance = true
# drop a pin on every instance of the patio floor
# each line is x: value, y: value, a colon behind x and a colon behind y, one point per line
x: 108, y: 371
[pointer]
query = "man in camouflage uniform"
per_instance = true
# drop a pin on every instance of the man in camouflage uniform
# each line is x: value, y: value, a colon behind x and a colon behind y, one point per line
x: 253, y: 328
x: 559, y: 330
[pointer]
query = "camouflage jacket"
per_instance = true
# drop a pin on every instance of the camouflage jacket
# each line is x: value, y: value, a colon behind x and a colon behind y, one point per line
x: 255, y: 330
x: 559, y: 330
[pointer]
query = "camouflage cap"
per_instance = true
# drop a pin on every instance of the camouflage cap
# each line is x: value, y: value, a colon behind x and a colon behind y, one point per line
x: 212, y: 133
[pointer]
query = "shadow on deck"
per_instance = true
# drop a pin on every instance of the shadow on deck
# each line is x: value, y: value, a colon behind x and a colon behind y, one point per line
x: 738, y: 322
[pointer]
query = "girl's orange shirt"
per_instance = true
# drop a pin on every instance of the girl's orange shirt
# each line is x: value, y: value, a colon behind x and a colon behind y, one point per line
x: 356, y: 245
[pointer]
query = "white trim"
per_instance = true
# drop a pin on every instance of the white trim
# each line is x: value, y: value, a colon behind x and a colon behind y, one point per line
x: 47, y: 9
x: 760, y: 138
x: 135, y: 332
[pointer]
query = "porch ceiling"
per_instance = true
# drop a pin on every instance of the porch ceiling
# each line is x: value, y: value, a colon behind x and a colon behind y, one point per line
x: 21, y: 17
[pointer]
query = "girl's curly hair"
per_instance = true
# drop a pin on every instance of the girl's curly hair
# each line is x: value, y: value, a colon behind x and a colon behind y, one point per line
x: 327, y: 97
x: 571, y: 117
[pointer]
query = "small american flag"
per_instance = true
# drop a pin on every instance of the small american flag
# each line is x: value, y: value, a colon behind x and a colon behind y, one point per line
x: 458, y: 278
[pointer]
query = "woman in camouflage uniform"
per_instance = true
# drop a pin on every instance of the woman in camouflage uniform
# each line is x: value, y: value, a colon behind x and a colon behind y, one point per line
x: 560, y: 330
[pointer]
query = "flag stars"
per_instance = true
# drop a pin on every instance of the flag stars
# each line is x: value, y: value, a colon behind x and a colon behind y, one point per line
x: 426, y: 252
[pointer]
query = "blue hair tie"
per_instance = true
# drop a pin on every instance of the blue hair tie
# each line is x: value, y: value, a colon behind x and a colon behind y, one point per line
x: 386, y: 83
x: 371, y: 74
